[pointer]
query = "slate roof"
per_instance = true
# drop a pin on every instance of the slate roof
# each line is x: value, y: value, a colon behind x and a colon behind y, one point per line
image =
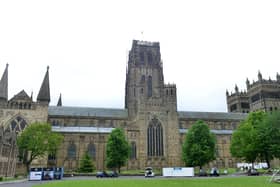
x: 22, y: 95
x: 82, y: 129
x: 211, y: 115
x: 87, y: 112
x: 183, y: 131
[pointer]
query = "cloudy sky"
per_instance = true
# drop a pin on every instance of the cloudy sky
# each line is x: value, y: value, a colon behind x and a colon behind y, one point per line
x: 206, y: 47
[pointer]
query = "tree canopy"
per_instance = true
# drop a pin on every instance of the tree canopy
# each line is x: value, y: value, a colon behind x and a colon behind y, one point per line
x: 199, y: 145
x: 36, y: 141
x: 257, y: 137
x: 117, y: 150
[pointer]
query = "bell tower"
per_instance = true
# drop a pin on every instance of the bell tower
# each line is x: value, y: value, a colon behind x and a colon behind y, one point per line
x: 144, y: 76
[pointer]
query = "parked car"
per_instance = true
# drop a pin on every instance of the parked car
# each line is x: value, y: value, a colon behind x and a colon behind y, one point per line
x: 112, y: 174
x: 252, y: 172
x: 214, y: 172
x: 101, y: 174
x: 202, y: 173
x: 149, y: 172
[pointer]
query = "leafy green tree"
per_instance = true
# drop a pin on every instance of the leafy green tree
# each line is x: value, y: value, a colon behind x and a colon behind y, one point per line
x: 199, y: 145
x: 268, y: 137
x: 244, y: 139
x: 86, y: 164
x: 117, y: 150
x: 36, y: 141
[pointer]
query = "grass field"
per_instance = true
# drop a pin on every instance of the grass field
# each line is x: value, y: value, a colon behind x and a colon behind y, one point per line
x: 167, y: 182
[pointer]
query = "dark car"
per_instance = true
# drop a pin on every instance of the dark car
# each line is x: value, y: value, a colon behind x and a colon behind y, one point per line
x: 253, y: 172
x: 112, y: 174
x: 101, y: 174
x: 202, y: 173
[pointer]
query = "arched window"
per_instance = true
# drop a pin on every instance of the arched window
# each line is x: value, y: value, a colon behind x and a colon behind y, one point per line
x: 150, y: 86
x: 18, y: 124
x: 142, y: 58
x: 150, y: 58
x: 142, y: 79
x: 155, y: 138
x: 91, y: 150
x: 133, y: 150
x: 71, y: 151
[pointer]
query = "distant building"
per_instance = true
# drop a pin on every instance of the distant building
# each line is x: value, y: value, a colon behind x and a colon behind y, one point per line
x: 260, y: 95
x: 152, y: 124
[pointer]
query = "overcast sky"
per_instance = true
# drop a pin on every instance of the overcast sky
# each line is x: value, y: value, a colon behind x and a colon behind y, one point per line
x: 207, y: 46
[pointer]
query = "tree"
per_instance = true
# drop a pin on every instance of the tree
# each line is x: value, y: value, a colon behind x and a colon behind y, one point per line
x: 244, y: 139
x: 199, y: 145
x: 268, y: 137
x: 86, y: 165
x: 36, y: 141
x: 117, y: 150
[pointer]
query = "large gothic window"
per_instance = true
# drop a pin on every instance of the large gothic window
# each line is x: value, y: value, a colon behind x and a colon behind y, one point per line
x: 133, y: 150
x: 18, y: 124
x: 150, y: 86
x: 155, y: 138
x: 71, y: 151
x: 91, y: 150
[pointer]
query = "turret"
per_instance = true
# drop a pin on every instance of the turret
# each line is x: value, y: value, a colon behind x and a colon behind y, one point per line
x: 259, y: 76
x: 236, y: 89
x: 227, y: 94
x: 247, y: 83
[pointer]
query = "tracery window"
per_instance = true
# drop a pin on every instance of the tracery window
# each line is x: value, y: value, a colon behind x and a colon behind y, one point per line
x: 155, y: 138
x: 71, y: 151
x: 18, y: 124
x: 91, y: 150
x: 133, y: 150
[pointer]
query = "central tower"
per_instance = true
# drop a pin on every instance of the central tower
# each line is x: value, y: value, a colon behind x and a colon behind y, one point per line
x: 152, y: 106
x: 144, y: 78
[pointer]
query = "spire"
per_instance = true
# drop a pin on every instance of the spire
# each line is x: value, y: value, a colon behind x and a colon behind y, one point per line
x: 236, y: 89
x: 44, y: 93
x: 4, y: 85
x: 227, y: 94
x: 278, y: 77
x: 259, y: 76
x: 247, y: 83
x: 59, y: 103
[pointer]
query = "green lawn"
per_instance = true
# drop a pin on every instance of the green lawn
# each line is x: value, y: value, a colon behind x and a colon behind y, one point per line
x: 167, y: 182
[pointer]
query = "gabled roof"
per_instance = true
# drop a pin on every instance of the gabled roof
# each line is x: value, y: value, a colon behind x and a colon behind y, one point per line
x: 22, y: 95
x: 4, y: 85
x: 44, y: 93
x: 87, y: 112
x: 211, y: 115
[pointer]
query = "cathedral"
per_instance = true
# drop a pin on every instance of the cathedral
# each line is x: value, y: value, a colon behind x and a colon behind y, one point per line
x: 153, y: 126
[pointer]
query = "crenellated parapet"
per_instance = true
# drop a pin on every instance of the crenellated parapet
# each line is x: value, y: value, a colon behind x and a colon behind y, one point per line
x: 262, y: 94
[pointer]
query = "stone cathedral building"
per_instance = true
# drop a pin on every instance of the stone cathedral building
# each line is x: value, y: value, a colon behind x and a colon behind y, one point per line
x: 153, y: 125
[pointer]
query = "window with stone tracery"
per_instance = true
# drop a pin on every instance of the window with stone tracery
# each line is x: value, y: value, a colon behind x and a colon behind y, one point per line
x: 133, y: 150
x: 155, y: 138
x: 71, y: 151
x: 91, y: 150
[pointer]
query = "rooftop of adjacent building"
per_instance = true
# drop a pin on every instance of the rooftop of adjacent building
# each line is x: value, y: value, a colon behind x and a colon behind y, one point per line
x: 64, y: 111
